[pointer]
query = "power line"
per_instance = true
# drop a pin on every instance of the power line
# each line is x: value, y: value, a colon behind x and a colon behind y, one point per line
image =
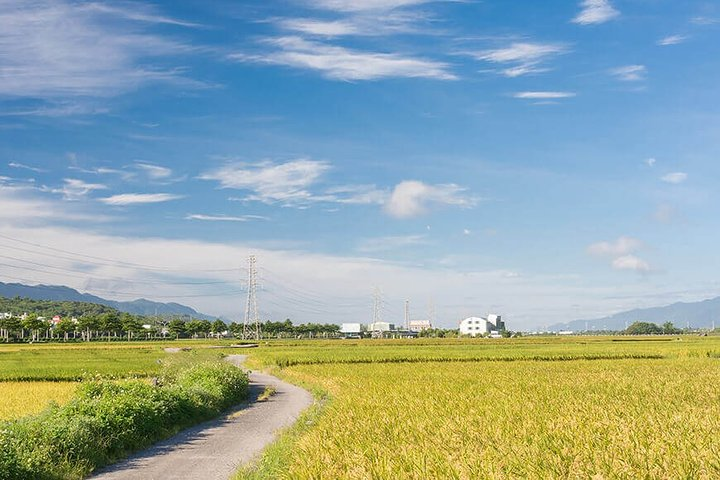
x: 86, y: 275
x: 113, y: 262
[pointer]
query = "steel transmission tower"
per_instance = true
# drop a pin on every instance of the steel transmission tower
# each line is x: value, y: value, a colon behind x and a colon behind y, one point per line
x: 431, y: 312
x: 377, y: 305
x: 407, y: 314
x: 251, y: 327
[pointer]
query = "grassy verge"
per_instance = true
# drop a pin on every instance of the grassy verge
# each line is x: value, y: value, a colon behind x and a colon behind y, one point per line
x: 276, y: 458
x: 107, y: 420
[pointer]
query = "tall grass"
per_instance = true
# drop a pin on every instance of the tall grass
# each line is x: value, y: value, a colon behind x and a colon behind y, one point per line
x: 109, y: 419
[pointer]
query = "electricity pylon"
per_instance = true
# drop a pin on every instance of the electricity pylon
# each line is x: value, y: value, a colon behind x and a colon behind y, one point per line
x: 251, y: 326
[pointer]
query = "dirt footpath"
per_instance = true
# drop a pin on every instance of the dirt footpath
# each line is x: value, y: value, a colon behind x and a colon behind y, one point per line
x: 215, y: 449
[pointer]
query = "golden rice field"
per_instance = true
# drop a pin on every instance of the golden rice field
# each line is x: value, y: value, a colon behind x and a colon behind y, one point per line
x: 621, y: 418
x: 18, y: 399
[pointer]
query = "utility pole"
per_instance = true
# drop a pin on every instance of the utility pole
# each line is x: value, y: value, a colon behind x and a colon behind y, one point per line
x: 407, y: 314
x: 251, y: 326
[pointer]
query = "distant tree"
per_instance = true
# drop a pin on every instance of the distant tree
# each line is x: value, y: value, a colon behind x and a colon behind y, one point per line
x: 218, y: 327
x: 34, y: 325
x: 236, y: 329
x: 206, y: 327
x: 131, y: 325
x: 64, y: 327
x: 194, y: 327
x: 176, y: 327
x: 669, y: 329
x: 643, y: 328
x: 110, y: 324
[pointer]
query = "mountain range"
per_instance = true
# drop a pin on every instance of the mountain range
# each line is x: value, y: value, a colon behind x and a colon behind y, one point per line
x: 140, y: 306
x: 702, y: 314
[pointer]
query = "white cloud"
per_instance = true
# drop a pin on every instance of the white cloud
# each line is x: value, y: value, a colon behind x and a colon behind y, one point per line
x: 357, y: 24
x: 363, y: 5
x: 26, y: 167
x: 412, y: 198
x: 340, y: 63
x: 23, y: 206
x: 672, y: 40
x: 526, y: 57
x: 75, y: 189
x: 543, y: 95
x: 52, y: 49
x: 675, y: 177
x: 139, y: 198
x: 379, y: 244
x: 339, y: 286
x: 621, y: 253
x: 466, y: 231
x: 631, y: 262
x: 355, y: 195
x: 630, y: 73
x: 702, y: 20
x: 650, y: 162
x: 155, y: 172
x: 621, y: 246
x: 223, y: 218
x: 270, y: 182
x: 595, y: 11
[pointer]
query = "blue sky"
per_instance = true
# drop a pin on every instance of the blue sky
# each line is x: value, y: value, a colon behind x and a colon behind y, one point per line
x: 543, y: 160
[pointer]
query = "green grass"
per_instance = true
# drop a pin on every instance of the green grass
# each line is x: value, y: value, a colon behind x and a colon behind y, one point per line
x: 107, y: 420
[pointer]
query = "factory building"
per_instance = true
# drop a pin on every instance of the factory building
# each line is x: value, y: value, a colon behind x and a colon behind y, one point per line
x: 475, y: 326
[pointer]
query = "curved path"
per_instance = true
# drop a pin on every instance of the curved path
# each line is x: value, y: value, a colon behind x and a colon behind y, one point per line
x: 215, y: 449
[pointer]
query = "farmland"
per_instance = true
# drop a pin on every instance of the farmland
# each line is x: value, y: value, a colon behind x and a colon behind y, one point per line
x: 60, y: 427
x: 530, y: 408
x: 575, y: 407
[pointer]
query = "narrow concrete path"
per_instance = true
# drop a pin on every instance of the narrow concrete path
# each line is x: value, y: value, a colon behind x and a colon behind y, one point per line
x: 215, y: 449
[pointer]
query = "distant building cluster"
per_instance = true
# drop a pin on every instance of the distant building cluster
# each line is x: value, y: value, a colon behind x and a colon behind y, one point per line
x: 492, y: 326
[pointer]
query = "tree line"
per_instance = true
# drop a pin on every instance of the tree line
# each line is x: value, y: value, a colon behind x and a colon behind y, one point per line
x: 29, y: 320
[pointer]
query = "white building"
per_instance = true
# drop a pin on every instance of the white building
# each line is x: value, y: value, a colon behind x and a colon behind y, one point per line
x: 480, y: 326
x: 350, y: 328
x: 381, y: 327
x: 419, y: 325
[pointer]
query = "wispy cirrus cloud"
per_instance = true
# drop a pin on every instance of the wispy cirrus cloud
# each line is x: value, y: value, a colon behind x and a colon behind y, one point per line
x: 270, y: 182
x: 412, y: 198
x: 55, y: 49
x: 124, y: 199
x: 630, y: 73
x: 364, y: 5
x: 75, y: 189
x: 544, y: 95
x: 223, y: 218
x: 522, y: 58
x: 154, y: 172
x: 26, y: 167
x: 672, y: 40
x: 366, y: 24
x: 595, y: 11
x: 340, y: 63
x: 674, y: 177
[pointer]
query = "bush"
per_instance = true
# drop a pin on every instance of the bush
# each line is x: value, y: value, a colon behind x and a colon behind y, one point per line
x: 108, y: 420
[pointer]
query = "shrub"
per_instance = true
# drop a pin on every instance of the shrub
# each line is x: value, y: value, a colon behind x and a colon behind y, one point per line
x: 108, y: 420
